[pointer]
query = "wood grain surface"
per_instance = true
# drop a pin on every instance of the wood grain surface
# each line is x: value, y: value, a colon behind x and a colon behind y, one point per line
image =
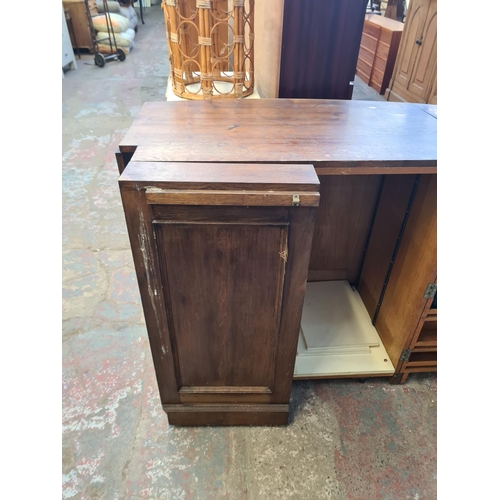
x: 222, y: 287
x: 325, y: 133
x: 394, y: 199
x: 342, y: 223
x: 221, y: 176
x: 208, y: 270
x: 414, y: 268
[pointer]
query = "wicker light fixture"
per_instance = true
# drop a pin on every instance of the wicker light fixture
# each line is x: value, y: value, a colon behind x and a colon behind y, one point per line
x: 210, y: 44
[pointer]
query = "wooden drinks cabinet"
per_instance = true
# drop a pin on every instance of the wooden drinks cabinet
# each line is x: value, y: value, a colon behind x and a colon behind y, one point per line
x: 277, y: 239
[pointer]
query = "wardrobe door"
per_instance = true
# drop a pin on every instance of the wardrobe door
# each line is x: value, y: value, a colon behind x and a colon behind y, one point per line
x: 414, y: 27
x: 425, y: 60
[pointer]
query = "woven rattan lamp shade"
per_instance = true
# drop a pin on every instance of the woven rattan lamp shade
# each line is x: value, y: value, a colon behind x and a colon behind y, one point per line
x: 210, y: 44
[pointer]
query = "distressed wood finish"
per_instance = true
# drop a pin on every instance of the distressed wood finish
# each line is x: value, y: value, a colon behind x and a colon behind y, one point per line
x: 222, y: 286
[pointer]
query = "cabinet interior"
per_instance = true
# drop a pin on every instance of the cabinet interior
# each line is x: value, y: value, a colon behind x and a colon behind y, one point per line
x: 371, y: 261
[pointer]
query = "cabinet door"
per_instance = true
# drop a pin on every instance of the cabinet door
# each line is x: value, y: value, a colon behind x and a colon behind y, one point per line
x: 222, y: 289
x: 224, y: 283
x: 414, y: 26
x: 421, y: 77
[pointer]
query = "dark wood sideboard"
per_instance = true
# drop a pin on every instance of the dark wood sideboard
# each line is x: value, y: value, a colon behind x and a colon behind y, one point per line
x: 277, y: 239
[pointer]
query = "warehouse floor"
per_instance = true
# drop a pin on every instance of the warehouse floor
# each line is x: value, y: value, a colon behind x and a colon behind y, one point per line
x: 346, y: 440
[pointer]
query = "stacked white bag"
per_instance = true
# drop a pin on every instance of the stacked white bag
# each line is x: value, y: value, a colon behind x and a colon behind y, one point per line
x: 120, y: 23
x: 130, y: 13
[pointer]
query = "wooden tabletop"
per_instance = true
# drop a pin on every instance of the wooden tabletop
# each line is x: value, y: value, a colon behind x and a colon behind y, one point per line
x: 353, y: 136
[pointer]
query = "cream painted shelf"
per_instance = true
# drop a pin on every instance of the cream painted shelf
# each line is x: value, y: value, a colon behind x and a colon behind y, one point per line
x: 337, y: 337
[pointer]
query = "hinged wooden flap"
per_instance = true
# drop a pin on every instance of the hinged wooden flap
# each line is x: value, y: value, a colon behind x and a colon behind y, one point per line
x: 224, y: 183
x: 222, y: 176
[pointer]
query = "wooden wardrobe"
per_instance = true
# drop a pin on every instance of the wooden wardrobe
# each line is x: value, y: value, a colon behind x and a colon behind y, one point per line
x: 306, y: 49
x: 415, y: 74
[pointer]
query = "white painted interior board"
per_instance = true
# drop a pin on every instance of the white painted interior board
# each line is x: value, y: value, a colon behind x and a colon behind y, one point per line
x: 375, y: 362
x: 334, y: 316
x: 337, y: 337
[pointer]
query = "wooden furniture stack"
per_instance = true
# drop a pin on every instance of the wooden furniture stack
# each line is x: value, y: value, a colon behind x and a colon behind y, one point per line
x: 307, y: 50
x: 246, y: 282
x: 378, y: 51
x: 414, y: 78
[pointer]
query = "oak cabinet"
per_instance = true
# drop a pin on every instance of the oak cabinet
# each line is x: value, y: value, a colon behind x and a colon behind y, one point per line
x: 286, y: 242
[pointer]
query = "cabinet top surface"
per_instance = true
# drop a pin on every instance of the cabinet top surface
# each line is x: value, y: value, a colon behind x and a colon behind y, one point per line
x: 223, y: 176
x: 326, y: 133
x: 384, y: 22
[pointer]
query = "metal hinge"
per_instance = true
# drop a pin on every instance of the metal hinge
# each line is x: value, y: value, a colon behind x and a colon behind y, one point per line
x: 295, y: 200
x: 405, y: 355
x: 430, y: 291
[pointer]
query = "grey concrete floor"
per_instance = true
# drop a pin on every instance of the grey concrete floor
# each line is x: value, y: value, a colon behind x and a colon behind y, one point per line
x: 346, y: 440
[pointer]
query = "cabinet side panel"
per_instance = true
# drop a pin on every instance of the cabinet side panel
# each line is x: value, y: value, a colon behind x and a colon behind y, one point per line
x: 342, y: 223
x: 142, y: 243
x: 268, y: 31
x: 225, y: 285
x: 394, y: 198
x: 414, y: 268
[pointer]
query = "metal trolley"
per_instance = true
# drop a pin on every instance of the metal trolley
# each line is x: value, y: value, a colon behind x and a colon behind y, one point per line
x: 116, y: 52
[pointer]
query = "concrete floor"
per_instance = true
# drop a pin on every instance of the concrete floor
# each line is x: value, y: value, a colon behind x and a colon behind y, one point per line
x: 347, y: 440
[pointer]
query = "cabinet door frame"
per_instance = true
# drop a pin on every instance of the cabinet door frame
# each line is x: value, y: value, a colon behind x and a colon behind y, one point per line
x: 202, y: 391
x: 408, y: 47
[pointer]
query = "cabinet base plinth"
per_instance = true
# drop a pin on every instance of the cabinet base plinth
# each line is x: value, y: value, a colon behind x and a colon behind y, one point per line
x: 186, y: 415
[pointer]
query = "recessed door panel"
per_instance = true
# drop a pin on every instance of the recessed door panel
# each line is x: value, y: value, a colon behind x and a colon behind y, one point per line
x: 224, y: 283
